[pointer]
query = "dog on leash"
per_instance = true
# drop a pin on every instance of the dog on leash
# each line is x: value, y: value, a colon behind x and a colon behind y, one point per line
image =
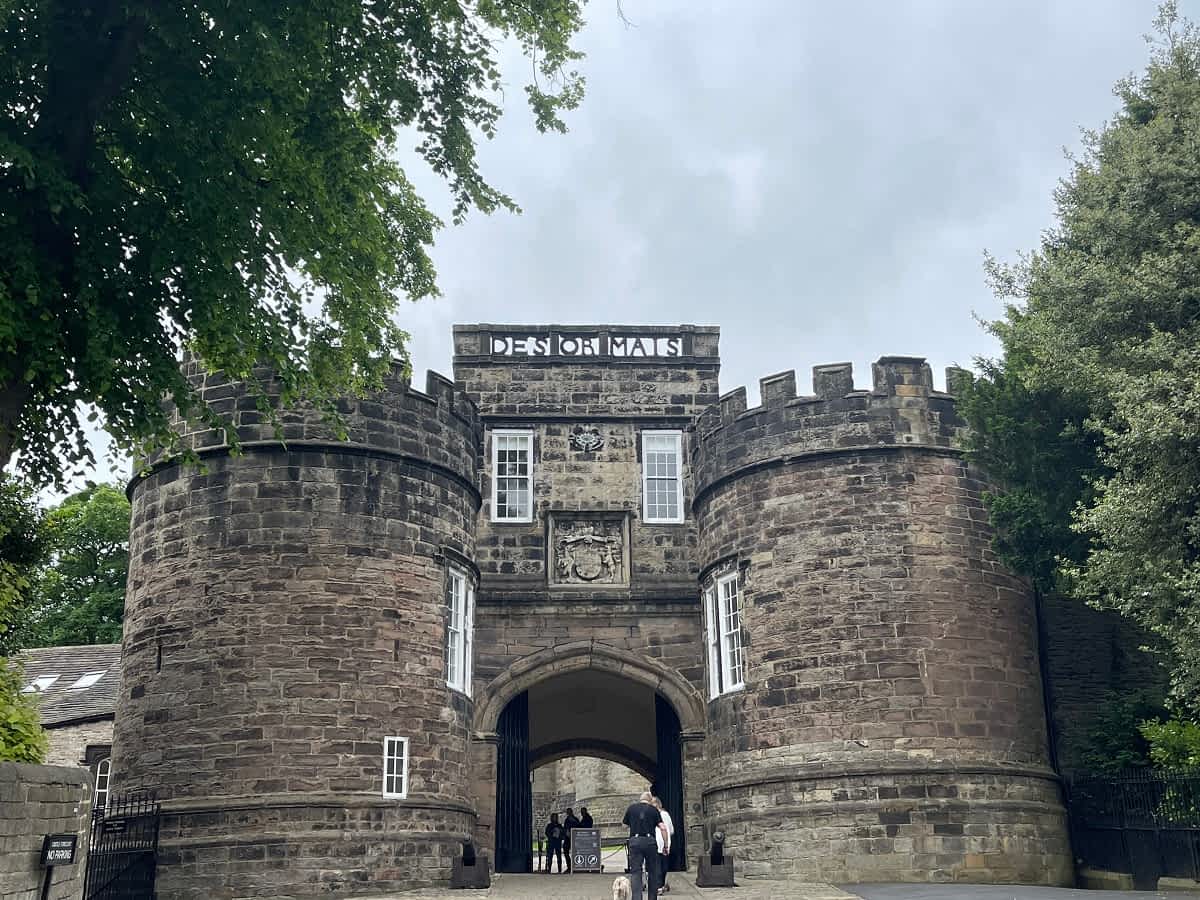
x: 622, y: 889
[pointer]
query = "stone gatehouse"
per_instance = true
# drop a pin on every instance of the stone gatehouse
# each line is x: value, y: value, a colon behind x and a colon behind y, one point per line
x: 342, y: 658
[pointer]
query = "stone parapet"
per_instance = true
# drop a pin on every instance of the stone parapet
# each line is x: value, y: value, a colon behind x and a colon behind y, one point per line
x: 901, y: 409
x: 438, y: 427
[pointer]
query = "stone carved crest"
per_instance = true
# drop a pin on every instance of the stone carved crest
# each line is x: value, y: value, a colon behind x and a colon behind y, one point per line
x: 586, y: 439
x: 589, y: 551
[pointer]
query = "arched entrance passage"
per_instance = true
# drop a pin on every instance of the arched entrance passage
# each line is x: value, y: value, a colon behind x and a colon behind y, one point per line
x: 579, y: 699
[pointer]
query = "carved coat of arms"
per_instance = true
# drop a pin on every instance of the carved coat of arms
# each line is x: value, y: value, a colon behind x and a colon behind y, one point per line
x: 586, y: 439
x: 588, y: 552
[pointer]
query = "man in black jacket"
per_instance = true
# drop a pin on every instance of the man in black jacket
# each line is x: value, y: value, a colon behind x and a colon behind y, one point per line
x: 642, y: 819
x: 569, y: 822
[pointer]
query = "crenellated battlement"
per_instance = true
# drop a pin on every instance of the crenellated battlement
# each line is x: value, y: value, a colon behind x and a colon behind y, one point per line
x: 440, y: 425
x: 901, y: 408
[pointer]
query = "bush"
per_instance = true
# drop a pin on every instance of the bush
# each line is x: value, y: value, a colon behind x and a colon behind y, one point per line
x: 21, y: 736
x: 1174, y: 744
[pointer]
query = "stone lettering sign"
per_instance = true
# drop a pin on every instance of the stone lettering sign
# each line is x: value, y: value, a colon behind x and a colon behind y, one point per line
x: 607, y: 345
x: 585, y: 850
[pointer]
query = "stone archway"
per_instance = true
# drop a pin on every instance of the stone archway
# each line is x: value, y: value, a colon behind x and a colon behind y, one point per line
x: 583, y: 664
x: 529, y: 670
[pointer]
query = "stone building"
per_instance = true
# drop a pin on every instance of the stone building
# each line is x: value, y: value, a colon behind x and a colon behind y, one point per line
x: 77, y: 694
x: 342, y: 658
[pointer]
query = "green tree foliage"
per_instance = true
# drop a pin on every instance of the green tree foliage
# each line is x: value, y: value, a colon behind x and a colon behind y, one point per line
x: 22, y: 548
x: 79, y: 594
x: 1095, y: 419
x: 22, y: 738
x: 224, y: 175
x: 1173, y: 745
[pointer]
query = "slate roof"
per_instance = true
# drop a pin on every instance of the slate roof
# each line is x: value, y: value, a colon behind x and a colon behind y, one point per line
x: 60, y: 703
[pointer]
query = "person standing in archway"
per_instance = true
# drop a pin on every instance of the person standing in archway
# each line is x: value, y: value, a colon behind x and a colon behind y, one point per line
x: 664, y: 836
x: 585, y: 818
x: 643, y: 821
x: 569, y: 822
x: 554, y: 842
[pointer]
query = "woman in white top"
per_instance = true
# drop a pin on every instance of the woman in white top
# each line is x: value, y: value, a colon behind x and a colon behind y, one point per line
x: 663, y: 835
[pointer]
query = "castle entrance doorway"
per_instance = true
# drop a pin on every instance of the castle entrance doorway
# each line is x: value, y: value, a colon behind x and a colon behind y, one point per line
x: 582, y: 712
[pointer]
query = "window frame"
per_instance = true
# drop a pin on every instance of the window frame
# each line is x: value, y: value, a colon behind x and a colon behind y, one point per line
x: 731, y: 638
x: 712, y: 641
x: 724, y: 646
x: 389, y: 743
x: 460, y: 622
x: 40, y: 684
x: 680, y: 516
x: 495, y: 458
x: 87, y: 680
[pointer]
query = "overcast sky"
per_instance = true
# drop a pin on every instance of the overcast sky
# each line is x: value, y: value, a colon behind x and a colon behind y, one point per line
x: 820, y: 179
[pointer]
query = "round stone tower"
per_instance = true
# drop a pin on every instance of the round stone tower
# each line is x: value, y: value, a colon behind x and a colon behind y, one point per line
x: 286, y: 615
x: 891, y: 724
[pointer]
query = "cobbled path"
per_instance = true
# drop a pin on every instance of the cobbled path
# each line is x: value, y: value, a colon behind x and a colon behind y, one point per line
x: 599, y: 887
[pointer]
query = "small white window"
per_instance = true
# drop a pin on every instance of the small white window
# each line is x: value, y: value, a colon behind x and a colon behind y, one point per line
x: 723, y: 635
x: 395, y: 767
x: 39, y: 684
x: 512, y: 476
x: 102, y: 779
x: 460, y: 630
x: 712, y: 637
x: 731, y: 632
x: 662, y: 476
x: 87, y: 680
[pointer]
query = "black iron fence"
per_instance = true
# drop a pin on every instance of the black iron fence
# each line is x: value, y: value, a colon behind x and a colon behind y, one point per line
x: 123, y: 855
x: 1146, y: 823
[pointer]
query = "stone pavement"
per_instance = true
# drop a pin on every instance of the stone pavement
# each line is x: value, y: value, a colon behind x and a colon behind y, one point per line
x: 999, y: 892
x: 599, y: 887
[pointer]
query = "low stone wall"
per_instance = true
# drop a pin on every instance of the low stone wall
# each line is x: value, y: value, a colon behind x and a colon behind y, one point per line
x: 36, y: 801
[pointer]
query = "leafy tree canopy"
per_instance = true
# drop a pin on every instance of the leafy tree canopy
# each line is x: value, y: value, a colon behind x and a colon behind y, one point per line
x: 1092, y: 417
x: 22, y: 549
x: 78, y: 595
x: 209, y: 174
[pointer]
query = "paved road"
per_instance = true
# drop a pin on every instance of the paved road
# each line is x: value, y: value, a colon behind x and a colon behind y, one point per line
x: 999, y: 892
x: 599, y: 887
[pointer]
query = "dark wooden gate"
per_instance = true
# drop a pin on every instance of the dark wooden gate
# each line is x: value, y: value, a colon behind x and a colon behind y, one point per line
x: 123, y: 854
x: 668, y: 784
x: 514, y: 793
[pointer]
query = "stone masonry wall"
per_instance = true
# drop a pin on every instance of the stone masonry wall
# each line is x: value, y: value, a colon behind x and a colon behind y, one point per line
x: 67, y: 743
x: 36, y: 801
x: 520, y: 612
x: 892, y: 720
x: 1104, y: 691
x: 285, y: 613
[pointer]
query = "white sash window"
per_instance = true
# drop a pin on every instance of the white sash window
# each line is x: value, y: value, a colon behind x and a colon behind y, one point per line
x: 662, y: 476
x: 395, y: 767
x: 460, y: 629
x: 723, y: 636
x: 512, y: 476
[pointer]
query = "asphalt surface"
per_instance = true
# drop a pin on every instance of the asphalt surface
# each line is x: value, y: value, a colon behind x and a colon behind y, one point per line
x: 999, y: 892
